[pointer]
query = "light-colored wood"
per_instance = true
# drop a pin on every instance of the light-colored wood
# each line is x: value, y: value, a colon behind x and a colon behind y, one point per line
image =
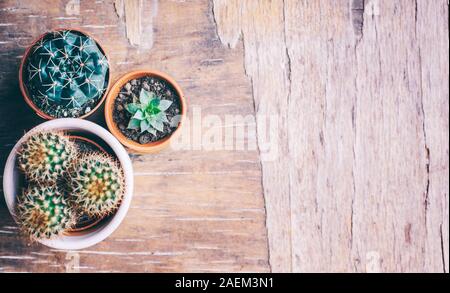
x: 138, y: 18
x: 261, y: 26
x: 361, y: 89
x: 132, y: 146
x: 193, y: 210
x: 432, y: 37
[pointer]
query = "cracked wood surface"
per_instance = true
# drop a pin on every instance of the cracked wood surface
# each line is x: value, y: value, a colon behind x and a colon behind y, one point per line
x: 360, y: 182
x: 361, y: 87
x: 192, y: 211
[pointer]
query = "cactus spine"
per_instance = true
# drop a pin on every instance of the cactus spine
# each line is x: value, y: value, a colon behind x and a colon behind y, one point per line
x: 46, y: 156
x: 43, y: 212
x: 97, y: 184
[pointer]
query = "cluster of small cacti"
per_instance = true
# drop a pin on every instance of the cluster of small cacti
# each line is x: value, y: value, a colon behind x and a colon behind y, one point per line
x: 64, y: 183
x: 66, y: 73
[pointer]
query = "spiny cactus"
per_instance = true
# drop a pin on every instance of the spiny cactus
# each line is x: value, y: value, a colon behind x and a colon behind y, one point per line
x: 46, y: 156
x: 149, y: 113
x: 66, y: 73
x: 97, y: 184
x: 43, y: 212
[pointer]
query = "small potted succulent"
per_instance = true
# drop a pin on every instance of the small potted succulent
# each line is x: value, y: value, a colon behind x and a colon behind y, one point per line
x: 68, y: 183
x: 144, y: 110
x: 63, y: 74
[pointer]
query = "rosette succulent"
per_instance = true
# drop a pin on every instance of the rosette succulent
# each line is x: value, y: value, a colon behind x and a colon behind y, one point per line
x: 148, y: 113
x: 97, y: 184
x: 66, y: 74
x: 43, y: 212
x: 46, y: 156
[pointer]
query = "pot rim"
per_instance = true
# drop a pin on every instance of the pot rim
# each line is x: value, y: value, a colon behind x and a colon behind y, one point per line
x: 109, y: 104
x: 23, y: 89
x: 72, y: 242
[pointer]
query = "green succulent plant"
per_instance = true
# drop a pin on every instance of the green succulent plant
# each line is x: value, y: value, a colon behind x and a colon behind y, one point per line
x: 66, y: 73
x: 43, y: 212
x: 97, y: 184
x: 46, y: 156
x: 149, y: 113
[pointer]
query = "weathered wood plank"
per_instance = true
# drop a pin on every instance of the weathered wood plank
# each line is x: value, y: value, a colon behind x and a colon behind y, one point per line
x: 261, y: 24
x: 434, y: 69
x: 138, y: 17
x: 361, y: 183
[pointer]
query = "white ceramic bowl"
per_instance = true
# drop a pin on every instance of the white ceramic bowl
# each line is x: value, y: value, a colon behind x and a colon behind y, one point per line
x: 103, y: 229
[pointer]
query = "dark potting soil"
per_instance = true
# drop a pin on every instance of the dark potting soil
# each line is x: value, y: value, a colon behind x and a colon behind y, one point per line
x: 85, y: 147
x: 129, y: 93
x: 59, y: 111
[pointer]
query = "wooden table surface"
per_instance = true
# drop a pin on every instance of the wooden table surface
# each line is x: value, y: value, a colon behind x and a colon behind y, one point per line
x: 356, y: 176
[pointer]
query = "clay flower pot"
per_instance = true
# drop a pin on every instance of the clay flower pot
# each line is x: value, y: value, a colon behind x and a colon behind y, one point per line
x: 90, y: 232
x: 78, y: 67
x: 132, y: 145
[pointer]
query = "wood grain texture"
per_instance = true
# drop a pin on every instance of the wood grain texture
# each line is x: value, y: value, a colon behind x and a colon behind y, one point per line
x: 361, y: 89
x: 261, y: 25
x: 360, y: 179
x: 138, y: 17
x: 193, y: 210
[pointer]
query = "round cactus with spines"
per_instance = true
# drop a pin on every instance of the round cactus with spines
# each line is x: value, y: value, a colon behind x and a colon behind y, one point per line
x: 66, y: 73
x: 46, y: 156
x: 97, y: 184
x: 43, y: 213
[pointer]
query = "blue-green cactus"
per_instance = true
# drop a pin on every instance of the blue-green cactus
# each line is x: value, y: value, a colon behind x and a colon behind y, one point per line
x: 66, y: 74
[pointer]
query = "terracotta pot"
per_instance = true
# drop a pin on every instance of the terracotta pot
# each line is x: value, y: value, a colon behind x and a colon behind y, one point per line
x: 133, y: 146
x: 23, y: 89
